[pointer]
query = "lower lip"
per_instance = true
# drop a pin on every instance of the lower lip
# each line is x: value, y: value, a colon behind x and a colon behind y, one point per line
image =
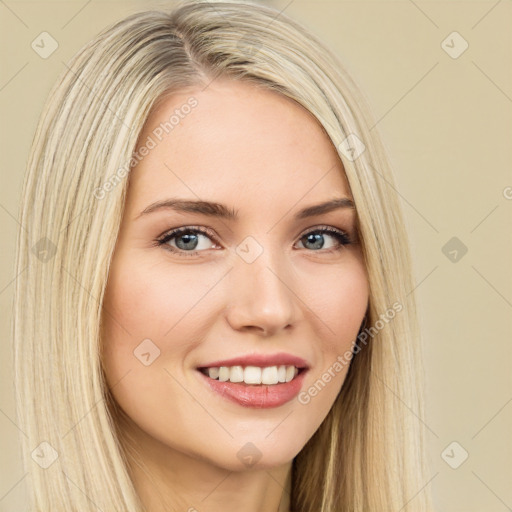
x: 257, y: 396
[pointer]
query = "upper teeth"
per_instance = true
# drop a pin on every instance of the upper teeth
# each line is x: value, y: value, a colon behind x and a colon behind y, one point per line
x: 253, y: 374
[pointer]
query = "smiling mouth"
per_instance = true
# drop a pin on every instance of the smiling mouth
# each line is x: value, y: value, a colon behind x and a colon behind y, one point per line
x: 253, y: 375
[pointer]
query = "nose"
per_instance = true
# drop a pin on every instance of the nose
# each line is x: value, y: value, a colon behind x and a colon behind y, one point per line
x: 261, y: 297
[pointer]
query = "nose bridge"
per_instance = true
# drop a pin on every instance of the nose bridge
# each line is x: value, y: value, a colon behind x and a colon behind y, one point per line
x: 260, y: 294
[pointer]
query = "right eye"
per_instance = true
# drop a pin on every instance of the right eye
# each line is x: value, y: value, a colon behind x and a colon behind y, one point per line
x: 186, y: 240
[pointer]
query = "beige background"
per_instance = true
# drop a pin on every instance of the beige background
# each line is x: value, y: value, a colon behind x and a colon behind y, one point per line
x: 447, y: 124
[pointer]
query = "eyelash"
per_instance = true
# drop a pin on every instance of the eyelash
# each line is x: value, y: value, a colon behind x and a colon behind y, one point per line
x: 343, y: 238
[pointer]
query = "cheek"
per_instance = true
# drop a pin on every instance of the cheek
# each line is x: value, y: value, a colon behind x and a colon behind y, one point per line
x: 339, y: 309
x: 340, y: 304
x: 155, y: 313
x: 150, y: 325
x: 151, y: 300
x: 148, y: 310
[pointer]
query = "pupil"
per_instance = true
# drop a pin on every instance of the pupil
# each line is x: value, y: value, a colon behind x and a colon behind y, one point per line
x: 188, y: 239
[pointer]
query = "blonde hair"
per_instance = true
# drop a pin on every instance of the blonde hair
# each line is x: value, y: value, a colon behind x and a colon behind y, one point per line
x: 369, y: 453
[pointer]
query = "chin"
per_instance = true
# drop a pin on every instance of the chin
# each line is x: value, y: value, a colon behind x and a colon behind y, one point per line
x: 257, y: 455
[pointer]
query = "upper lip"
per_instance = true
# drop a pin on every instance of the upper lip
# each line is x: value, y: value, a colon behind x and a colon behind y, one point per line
x: 260, y: 360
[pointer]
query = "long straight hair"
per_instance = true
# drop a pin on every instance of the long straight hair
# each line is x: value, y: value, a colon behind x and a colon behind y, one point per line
x: 369, y: 452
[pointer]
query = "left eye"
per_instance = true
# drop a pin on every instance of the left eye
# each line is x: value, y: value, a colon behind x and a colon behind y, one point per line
x: 317, y: 238
x: 186, y: 241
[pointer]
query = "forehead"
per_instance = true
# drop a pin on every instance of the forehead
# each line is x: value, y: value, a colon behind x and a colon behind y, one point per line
x: 238, y: 144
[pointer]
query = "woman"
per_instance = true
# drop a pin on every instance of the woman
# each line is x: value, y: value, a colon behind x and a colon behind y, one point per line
x: 216, y: 308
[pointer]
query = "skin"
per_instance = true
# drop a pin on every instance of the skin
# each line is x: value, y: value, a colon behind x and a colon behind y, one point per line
x: 265, y: 156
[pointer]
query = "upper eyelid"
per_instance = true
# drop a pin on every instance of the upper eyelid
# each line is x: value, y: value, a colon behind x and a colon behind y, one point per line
x: 176, y: 231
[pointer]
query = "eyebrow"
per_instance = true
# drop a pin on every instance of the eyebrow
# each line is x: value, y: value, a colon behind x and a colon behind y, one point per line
x: 214, y: 209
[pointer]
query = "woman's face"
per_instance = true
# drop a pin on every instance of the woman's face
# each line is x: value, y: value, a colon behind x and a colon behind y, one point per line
x: 258, y: 270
